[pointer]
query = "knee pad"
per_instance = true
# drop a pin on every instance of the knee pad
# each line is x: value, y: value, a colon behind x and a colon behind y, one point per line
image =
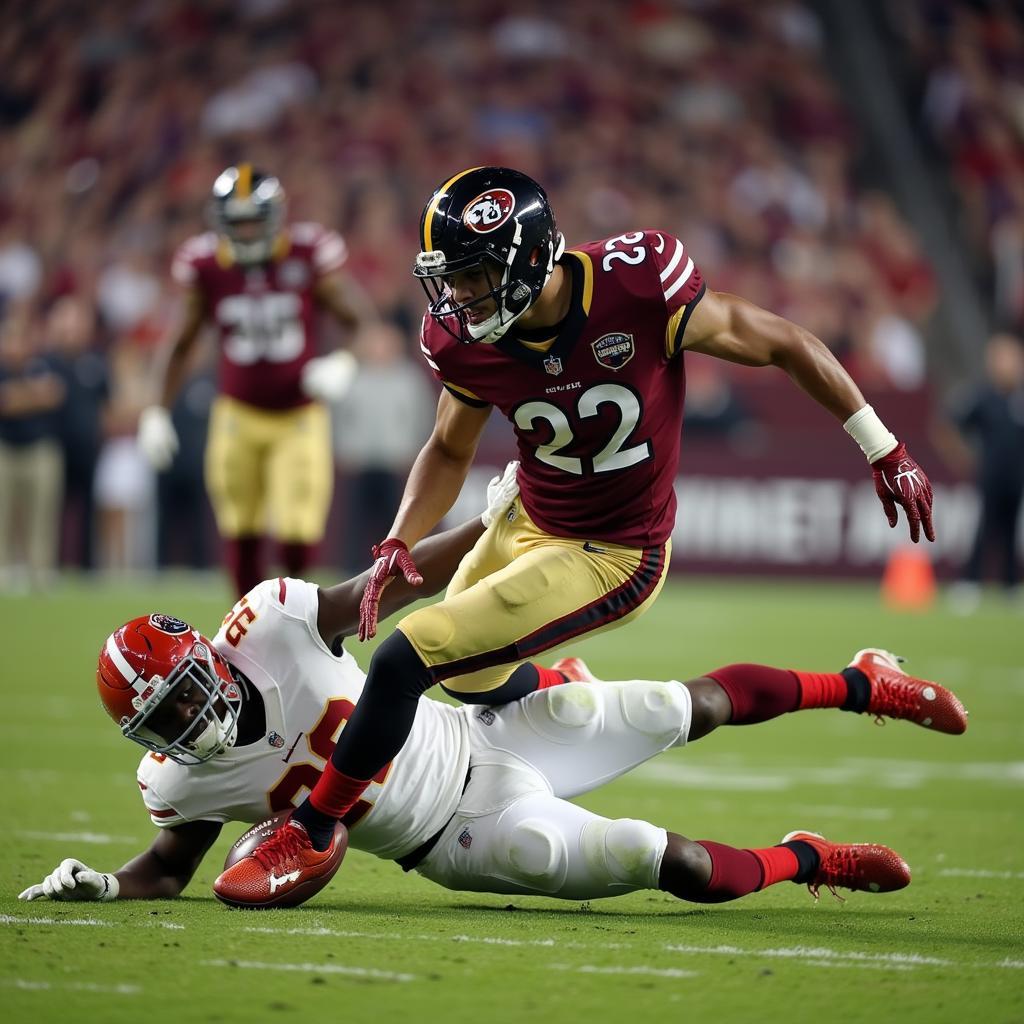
x: 430, y: 629
x: 573, y: 709
x: 657, y: 709
x: 537, y: 855
x: 624, y: 851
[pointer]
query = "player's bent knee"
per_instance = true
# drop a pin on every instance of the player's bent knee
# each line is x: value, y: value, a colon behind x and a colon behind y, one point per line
x: 537, y: 855
x: 657, y: 709
x: 574, y: 706
x: 431, y: 629
x: 625, y: 851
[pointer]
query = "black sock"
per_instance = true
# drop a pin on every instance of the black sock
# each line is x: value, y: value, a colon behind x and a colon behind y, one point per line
x: 858, y: 690
x: 806, y: 856
x: 319, y: 827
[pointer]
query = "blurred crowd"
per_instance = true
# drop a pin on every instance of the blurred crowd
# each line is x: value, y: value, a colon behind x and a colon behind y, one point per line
x: 967, y: 60
x: 714, y: 119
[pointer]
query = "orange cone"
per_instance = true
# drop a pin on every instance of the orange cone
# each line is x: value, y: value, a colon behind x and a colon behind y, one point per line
x: 909, y: 580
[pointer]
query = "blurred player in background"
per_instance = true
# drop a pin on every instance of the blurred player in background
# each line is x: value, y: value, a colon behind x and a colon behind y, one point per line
x: 478, y: 798
x: 269, y: 467
x: 582, y: 350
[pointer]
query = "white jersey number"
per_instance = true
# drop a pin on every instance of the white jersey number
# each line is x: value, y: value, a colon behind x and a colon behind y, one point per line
x: 632, y: 257
x: 262, y: 327
x: 613, y: 455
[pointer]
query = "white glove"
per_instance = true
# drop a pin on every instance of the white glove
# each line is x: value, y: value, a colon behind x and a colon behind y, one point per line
x: 157, y: 437
x: 328, y: 378
x: 501, y: 492
x: 73, y: 880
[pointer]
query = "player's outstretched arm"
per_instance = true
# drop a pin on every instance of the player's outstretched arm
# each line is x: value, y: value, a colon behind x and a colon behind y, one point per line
x: 157, y: 437
x: 161, y: 872
x: 434, y: 483
x: 731, y: 328
x: 436, y: 557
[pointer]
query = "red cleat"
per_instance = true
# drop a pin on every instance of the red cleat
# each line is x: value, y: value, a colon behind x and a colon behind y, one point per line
x: 283, y: 871
x: 894, y: 694
x: 575, y: 669
x: 863, y: 867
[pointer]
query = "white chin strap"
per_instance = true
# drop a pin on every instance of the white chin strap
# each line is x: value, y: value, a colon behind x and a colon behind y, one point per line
x: 213, y: 739
x: 496, y: 326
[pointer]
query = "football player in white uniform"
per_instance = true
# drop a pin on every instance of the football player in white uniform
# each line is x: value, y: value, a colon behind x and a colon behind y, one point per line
x: 477, y: 799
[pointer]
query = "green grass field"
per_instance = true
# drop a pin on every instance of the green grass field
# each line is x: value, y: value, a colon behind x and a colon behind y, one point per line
x: 381, y: 946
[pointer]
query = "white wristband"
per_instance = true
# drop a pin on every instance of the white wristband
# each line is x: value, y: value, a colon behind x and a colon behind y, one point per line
x: 111, y: 888
x: 874, y: 438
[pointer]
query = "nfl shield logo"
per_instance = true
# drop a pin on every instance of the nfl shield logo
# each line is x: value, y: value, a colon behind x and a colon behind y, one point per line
x: 465, y: 839
x: 276, y: 740
x: 553, y: 365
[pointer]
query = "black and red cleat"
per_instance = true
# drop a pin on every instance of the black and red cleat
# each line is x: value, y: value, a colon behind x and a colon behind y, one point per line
x: 275, y: 865
x: 575, y: 670
x: 894, y: 694
x: 863, y: 867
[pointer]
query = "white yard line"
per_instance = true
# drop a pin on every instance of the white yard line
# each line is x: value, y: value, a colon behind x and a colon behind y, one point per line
x: 96, y: 838
x: 657, y: 972
x: 979, y: 873
x: 306, y: 968
x: 77, y: 922
x: 485, y: 940
x: 70, y: 986
x: 740, y: 774
x: 819, y: 955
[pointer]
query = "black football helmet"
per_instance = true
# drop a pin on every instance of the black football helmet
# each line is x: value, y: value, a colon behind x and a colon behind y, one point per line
x: 499, y: 220
x: 247, y: 210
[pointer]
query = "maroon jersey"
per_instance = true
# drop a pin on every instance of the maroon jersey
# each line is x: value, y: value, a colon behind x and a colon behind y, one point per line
x: 598, y: 412
x: 265, y: 313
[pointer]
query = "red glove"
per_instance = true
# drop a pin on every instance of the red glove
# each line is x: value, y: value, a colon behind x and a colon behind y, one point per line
x: 393, y: 559
x: 899, y: 480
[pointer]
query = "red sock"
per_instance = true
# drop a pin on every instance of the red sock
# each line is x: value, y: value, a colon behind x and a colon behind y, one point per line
x: 242, y: 555
x: 757, y: 692
x: 335, y: 793
x: 296, y: 557
x: 736, y: 873
x: 549, y: 677
x: 821, y: 689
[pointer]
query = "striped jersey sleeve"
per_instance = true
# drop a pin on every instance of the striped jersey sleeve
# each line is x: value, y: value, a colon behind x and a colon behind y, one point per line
x: 161, y: 813
x: 189, y: 253
x: 681, y: 282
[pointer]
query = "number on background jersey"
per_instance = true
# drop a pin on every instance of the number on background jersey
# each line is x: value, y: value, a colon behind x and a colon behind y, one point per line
x: 613, y: 456
x: 635, y: 255
x: 262, y: 327
x: 304, y: 775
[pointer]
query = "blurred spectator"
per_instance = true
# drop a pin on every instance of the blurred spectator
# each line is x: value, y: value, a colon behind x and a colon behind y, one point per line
x: 380, y: 426
x: 123, y: 488
x: 183, y: 512
x: 71, y: 335
x: 992, y: 419
x: 31, y: 462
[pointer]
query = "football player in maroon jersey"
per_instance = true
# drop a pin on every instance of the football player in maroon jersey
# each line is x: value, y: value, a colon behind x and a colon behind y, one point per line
x: 269, y: 466
x: 582, y: 350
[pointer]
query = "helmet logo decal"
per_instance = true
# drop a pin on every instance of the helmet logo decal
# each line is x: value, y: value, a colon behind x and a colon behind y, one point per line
x: 489, y: 210
x: 169, y: 624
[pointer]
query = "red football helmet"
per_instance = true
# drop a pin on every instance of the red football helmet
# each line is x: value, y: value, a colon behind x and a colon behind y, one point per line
x: 153, y: 657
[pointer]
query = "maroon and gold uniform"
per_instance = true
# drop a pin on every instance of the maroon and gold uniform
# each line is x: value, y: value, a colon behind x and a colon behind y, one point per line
x: 269, y: 467
x: 597, y: 411
x: 265, y: 313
